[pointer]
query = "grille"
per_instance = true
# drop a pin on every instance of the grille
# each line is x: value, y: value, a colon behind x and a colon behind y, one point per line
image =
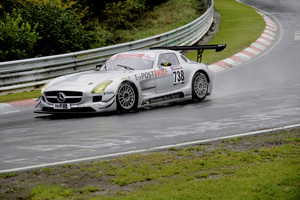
x: 70, y: 96
x: 67, y: 93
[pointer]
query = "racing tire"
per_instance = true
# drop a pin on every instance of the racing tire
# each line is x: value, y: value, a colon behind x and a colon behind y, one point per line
x: 126, y: 98
x: 199, y: 86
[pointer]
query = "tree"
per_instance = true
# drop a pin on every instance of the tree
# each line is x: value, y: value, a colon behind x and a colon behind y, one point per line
x: 17, y: 38
x: 58, y: 25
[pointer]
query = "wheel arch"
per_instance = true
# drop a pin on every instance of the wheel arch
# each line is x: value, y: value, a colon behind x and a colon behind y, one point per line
x: 209, y: 85
x: 205, y: 73
x: 133, y: 84
x: 137, y: 90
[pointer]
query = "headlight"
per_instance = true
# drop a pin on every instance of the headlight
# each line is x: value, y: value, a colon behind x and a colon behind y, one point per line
x: 44, y: 87
x: 101, y: 87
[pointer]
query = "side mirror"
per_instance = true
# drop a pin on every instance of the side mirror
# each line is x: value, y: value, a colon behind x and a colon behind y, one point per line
x: 98, y: 67
x: 166, y: 64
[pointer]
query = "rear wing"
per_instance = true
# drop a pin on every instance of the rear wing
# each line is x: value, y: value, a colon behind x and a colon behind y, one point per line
x: 199, y: 48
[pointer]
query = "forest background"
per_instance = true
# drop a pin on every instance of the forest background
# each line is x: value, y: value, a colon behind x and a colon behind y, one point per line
x: 35, y: 28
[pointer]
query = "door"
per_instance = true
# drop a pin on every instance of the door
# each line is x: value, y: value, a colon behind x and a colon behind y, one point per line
x: 169, y: 74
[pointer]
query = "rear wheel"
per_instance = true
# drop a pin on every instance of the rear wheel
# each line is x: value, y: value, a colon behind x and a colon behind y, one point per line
x: 199, y: 86
x: 126, y: 98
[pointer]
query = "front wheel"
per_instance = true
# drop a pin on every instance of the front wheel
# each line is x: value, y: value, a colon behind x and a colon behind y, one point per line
x: 126, y: 98
x: 199, y: 86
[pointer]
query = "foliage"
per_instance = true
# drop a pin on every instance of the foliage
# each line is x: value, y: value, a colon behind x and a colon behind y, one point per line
x: 48, y: 27
x: 17, y: 38
x: 7, y: 6
x: 167, y: 16
x: 122, y: 14
x: 57, y: 28
x: 58, y: 25
x: 95, y: 8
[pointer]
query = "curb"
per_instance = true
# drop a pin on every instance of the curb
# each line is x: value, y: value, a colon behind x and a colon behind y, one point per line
x: 250, y: 52
x: 17, y: 106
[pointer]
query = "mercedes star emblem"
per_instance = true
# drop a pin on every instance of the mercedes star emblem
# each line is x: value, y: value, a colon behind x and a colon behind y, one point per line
x: 61, y: 97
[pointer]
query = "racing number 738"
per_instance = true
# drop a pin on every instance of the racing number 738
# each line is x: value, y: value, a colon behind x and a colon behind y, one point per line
x: 178, y: 77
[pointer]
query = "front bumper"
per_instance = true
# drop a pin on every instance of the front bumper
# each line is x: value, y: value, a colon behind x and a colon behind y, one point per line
x: 87, y: 107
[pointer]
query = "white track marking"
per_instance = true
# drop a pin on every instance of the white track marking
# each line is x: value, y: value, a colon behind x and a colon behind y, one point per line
x: 107, y: 156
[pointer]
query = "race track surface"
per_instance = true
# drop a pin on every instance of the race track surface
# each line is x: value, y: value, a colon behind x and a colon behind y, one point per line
x: 259, y: 94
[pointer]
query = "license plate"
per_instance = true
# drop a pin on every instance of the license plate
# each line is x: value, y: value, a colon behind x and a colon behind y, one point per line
x: 62, y: 106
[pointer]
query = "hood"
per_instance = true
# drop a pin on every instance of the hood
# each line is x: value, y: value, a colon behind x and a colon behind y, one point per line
x: 84, y: 80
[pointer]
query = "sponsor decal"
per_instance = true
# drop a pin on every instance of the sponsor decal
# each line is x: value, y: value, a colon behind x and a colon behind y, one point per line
x: 130, y: 56
x: 144, y: 76
x: 176, y: 68
x: 143, y: 56
x: 148, y: 57
x: 151, y: 74
x: 125, y: 77
x: 160, y: 72
x: 111, y: 58
x: 163, y: 98
x: 108, y: 93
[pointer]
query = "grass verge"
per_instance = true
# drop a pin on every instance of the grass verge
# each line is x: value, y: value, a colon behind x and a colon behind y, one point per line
x: 20, y: 96
x: 166, y: 17
x: 240, y: 26
x: 258, y: 167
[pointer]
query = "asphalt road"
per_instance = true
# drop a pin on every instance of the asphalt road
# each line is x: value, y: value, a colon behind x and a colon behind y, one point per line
x: 260, y: 94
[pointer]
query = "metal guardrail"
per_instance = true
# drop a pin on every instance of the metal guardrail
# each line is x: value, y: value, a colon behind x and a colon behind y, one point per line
x: 21, y: 75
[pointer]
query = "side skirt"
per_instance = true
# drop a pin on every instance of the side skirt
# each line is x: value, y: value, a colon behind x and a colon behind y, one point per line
x: 164, y: 98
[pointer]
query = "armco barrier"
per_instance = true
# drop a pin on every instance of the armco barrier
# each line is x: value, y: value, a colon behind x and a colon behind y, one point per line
x: 27, y: 74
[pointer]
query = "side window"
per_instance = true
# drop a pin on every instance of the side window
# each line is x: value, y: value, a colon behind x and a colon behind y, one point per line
x: 168, y: 58
x: 184, y: 58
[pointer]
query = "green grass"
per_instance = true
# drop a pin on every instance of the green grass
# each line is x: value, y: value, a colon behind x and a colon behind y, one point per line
x: 257, y: 167
x: 240, y: 26
x: 8, y: 175
x: 166, y: 17
x: 20, y: 96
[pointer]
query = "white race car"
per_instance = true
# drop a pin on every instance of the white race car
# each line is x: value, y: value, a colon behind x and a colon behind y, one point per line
x: 129, y: 80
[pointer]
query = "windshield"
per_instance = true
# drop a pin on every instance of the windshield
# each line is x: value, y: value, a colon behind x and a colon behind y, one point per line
x: 123, y: 62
